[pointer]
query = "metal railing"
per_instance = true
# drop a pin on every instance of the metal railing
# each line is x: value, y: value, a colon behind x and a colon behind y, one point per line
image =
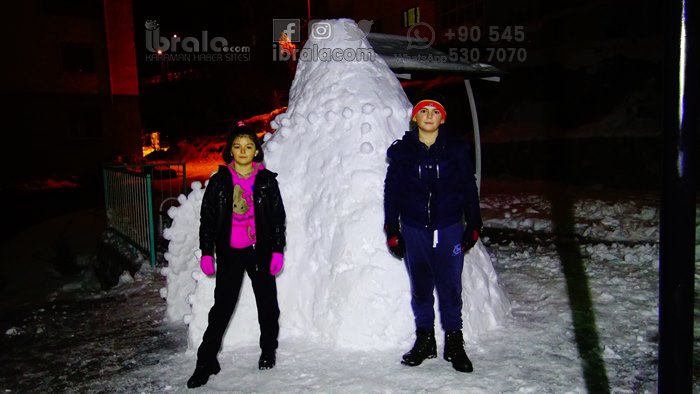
x: 131, y: 193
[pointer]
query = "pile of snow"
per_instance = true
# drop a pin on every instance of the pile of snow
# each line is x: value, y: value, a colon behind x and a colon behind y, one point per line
x: 340, y: 285
x: 183, y: 253
x: 629, y: 221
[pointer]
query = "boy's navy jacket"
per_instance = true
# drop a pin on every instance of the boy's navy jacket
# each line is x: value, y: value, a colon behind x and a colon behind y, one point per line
x: 217, y: 208
x: 431, y: 187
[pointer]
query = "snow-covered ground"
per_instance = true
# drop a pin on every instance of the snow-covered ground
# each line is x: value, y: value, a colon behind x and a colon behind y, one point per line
x: 119, y: 341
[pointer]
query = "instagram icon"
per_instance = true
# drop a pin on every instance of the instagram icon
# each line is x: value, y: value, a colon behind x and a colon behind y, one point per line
x: 319, y: 30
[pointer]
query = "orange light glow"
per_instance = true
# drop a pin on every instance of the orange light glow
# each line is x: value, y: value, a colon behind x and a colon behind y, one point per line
x: 286, y: 43
x: 154, y: 146
x: 262, y: 122
x: 155, y: 140
x: 149, y: 149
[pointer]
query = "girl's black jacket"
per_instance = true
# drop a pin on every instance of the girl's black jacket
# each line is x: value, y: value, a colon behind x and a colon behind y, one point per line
x: 431, y: 188
x: 217, y: 210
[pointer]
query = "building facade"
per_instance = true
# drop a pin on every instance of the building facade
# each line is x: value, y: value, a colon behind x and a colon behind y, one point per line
x: 73, y: 88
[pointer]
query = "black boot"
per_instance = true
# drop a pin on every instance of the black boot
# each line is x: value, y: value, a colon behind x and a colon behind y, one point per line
x: 422, y: 349
x: 267, y: 359
x: 201, y: 374
x: 454, y: 351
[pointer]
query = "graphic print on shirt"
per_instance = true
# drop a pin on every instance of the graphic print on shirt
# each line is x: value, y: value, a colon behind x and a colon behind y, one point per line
x: 243, y: 218
x: 240, y: 204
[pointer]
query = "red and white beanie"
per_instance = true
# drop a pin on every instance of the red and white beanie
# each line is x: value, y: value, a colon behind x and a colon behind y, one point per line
x: 428, y: 103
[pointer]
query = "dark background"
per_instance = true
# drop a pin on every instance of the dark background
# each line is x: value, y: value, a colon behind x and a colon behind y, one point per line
x: 585, y: 108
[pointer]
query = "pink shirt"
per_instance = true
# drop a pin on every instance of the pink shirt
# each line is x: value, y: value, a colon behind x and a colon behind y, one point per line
x: 243, y: 217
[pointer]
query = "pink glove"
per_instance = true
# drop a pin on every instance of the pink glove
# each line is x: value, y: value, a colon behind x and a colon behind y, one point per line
x: 276, y: 263
x: 207, y: 265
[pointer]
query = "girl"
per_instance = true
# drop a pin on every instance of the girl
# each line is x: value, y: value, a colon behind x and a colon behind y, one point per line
x: 243, y: 221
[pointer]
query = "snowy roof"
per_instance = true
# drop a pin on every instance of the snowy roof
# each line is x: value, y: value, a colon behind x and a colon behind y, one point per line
x: 404, y: 54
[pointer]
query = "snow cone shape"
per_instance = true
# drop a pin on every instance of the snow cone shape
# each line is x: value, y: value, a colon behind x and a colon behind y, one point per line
x: 340, y: 285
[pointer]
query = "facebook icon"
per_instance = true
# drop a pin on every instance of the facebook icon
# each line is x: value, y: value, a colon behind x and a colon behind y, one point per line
x: 286, y: 30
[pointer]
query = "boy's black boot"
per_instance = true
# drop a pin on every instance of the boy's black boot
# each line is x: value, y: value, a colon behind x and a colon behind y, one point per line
x: 201, y: 374
x: 423, y: 348
x: 267, y: 359
x: 454, y: 351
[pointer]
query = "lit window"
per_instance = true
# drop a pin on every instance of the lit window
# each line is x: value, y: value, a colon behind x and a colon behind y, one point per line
x: 411, y: 16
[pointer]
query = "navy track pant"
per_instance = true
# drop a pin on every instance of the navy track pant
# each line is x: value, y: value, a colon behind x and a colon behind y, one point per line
x: 434, y: 266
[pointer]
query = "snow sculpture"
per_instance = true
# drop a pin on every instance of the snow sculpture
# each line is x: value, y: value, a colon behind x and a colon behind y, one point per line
x: 340, y: 285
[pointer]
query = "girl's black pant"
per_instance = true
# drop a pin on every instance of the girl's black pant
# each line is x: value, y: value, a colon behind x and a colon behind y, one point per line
x: 231, y: 264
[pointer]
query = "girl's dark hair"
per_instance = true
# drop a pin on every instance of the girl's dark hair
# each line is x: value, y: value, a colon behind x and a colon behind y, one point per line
x: 242, y: 131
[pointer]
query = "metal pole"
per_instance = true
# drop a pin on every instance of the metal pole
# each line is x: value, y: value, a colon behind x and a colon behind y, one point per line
x: 678, y: 197
x: 477, y: 135
x: 105, y: 185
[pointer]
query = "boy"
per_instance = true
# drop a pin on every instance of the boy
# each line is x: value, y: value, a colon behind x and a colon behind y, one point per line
x: 432, y: 218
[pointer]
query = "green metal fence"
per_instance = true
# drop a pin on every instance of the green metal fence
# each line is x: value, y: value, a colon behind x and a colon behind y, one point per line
x: 131, y: 193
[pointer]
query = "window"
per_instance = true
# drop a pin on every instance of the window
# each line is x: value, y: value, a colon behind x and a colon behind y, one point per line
x: 78, y: 58
x: 411, y: 16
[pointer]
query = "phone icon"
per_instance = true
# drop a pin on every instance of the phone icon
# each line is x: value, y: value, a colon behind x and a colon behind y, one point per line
x: 417, y: 39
